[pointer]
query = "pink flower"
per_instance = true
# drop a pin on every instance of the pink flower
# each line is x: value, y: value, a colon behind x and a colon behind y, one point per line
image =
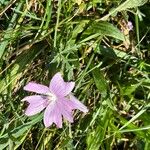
x: 57, y: 100
x: 130, y: 25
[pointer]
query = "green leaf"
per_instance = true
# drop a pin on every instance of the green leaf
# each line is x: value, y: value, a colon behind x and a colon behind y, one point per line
x: 135, y: 129
x: 124, y: 6
x: 105, y: 29
x: 100, y: 81
x: 130, y: 4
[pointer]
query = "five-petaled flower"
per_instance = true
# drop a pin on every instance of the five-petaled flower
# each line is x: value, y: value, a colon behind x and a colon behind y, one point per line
x: 57, y: 100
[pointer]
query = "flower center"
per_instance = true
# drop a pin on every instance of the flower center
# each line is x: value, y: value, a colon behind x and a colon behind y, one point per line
x: 51, y: 97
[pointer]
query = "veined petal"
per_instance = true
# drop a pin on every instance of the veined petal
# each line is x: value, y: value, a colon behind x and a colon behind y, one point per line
x: 36, y: 104
x: 65, y: 111
x: 67, y: 115
x: 69, y: 87
x: 34, y: 98
x: 37, y: 88
x: 52, y: 115
x: 59, y: 87
x: 58, y: 120
x: 76, y: 104
x: 67, y: 104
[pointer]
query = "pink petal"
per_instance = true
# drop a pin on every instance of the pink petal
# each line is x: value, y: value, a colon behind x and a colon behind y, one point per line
x: 52, y: 114
x: 65, y: 111
x: 59, y: 87
x: 69, y: 87
x: 37, y: 88
x: 67, y: 115
x: 34, y: 98
x: 76, y: 104
x: 67, y: 104
x: 36, y: 104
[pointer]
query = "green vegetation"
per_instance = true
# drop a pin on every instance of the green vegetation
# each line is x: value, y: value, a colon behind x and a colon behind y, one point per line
x: 89, y: 42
